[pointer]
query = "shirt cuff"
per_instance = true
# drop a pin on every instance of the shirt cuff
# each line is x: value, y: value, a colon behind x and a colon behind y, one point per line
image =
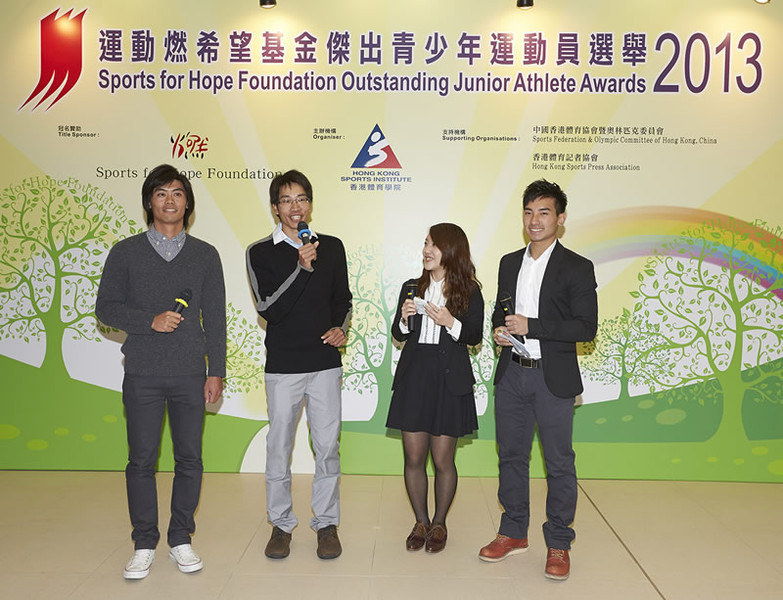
x: 455, y: 329
x: 404, y: 328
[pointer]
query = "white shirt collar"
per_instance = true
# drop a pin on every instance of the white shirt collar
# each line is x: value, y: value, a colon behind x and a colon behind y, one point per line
x: 278, y: 235
x: 543, y: 256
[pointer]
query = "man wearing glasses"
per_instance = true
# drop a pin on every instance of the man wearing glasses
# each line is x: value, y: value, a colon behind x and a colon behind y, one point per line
x: 301, y: 290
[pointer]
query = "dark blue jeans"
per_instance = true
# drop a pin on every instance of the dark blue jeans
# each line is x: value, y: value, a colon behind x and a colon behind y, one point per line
x: 146, y: 399
x: 522, y: 400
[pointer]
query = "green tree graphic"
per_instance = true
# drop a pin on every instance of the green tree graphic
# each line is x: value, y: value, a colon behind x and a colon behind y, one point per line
x: 244, y: 353
x: 624, y: 353
x: 367, y: 366
x: 53, y: 239
x: 712, y: 298
x: 482, y: 359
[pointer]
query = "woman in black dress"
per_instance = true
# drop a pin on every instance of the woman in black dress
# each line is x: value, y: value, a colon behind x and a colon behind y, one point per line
x: 432, y: 403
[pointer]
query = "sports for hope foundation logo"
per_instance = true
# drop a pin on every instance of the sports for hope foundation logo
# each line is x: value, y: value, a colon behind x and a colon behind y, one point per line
x: 60, y: 57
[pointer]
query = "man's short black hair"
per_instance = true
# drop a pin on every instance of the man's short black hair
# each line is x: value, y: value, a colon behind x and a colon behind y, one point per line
x: 161, y: 175
x: 545, y: 189
x: 286, y: 179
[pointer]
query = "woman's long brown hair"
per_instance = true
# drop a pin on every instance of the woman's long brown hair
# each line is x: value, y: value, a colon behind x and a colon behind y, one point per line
x: 460, y: 271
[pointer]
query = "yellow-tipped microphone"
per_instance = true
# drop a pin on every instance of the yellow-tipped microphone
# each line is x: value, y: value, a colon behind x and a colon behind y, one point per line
x: 181, y: 301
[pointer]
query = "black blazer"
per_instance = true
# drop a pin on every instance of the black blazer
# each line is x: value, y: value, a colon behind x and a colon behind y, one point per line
x: 567, y: 313
x: 456, y: 362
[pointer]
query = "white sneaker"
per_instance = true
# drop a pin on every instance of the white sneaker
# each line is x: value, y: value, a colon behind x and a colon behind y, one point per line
x: 187, y: 560
x: 138, y: 566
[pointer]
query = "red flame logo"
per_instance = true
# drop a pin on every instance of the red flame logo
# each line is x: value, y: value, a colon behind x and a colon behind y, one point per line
x: 61, y: 56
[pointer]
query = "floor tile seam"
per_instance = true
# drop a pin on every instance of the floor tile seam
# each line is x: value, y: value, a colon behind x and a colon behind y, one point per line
x: 247, y: 547
x: 226, y: 585
x: 622, y: 542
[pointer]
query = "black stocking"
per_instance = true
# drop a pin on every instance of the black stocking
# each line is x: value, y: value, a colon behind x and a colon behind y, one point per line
x: 443, y: 449
x: 416, y: 446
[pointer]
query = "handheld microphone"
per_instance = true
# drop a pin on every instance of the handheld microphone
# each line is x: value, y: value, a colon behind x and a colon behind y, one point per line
x: 410, y: 292
x: 504, y: 299
x: 304, y: 232
x: 181, y: 301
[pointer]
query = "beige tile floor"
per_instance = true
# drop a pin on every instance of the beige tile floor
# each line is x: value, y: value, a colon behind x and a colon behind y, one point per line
x: 66, y: 535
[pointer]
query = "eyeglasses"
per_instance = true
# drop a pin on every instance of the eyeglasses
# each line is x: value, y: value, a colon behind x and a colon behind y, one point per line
x: 290, y: 200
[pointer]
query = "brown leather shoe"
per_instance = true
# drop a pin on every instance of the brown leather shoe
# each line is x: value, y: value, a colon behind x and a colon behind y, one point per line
x: 328, y: 543
x: 279, y: 545
x: 558, y: 564
x: 501, y: 547
x: 436, y: 539
x: 415, y: 541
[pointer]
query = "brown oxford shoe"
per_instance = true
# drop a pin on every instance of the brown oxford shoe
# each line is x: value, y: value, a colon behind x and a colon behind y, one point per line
x: 436, y: 539
x: 279, y: 545
x: 501, y: 547
x: 558, y: 564
x: 328, y: 543
x: 418, y: 536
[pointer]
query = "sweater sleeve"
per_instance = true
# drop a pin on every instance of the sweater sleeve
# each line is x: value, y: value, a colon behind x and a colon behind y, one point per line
x: 274, y: 298
x: 111, y: 305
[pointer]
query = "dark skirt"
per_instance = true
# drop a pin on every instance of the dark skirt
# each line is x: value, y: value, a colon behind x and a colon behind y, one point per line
x: 423, y: 402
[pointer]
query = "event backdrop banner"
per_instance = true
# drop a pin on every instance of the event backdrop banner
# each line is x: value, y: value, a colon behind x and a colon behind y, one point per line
x: 659, y: 119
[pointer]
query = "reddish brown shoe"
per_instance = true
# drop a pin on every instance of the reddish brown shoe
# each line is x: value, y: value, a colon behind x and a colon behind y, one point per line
x: 418, y: 536
x: 501, y: 547
x: 436, y: 539
x: 558, y: 564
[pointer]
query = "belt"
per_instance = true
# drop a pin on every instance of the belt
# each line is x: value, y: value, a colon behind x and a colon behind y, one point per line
x: 524, y: 361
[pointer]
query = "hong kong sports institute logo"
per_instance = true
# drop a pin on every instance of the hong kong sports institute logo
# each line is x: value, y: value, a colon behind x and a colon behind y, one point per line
x: 61, y: 57
x: 376, y: 153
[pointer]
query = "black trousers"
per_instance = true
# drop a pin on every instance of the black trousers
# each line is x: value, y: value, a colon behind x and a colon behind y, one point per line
x: 522, y: 400
x: 146, y: 399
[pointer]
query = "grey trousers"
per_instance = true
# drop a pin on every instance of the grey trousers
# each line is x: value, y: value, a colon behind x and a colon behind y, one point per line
x: 146, y: 399
x: 522, y: 401
x: 285, y: 395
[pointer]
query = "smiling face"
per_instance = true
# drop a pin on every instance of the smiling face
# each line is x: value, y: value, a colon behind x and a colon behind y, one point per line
x: 293, y: 206
x: 541, y: 222
x: 432, y: 259
x: 168, y: 203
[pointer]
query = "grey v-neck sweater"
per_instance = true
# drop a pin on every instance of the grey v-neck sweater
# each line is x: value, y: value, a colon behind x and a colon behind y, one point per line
x: 137, y: 284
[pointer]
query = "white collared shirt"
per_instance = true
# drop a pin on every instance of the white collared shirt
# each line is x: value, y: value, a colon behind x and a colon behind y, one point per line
x: 529, y: 290
x: 278, y: 235
x: 430, y: 331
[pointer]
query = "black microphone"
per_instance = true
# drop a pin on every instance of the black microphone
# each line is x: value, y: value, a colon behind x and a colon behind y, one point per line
x: 410, y: 292
x: 181, y: 301
x: 304, y: 232
x: 504, y: 299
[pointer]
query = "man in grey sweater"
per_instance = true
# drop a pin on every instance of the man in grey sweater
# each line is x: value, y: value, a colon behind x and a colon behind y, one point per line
x: 144, y: 278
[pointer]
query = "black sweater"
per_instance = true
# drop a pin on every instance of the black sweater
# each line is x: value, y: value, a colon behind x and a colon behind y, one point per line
x: 300, y: 305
